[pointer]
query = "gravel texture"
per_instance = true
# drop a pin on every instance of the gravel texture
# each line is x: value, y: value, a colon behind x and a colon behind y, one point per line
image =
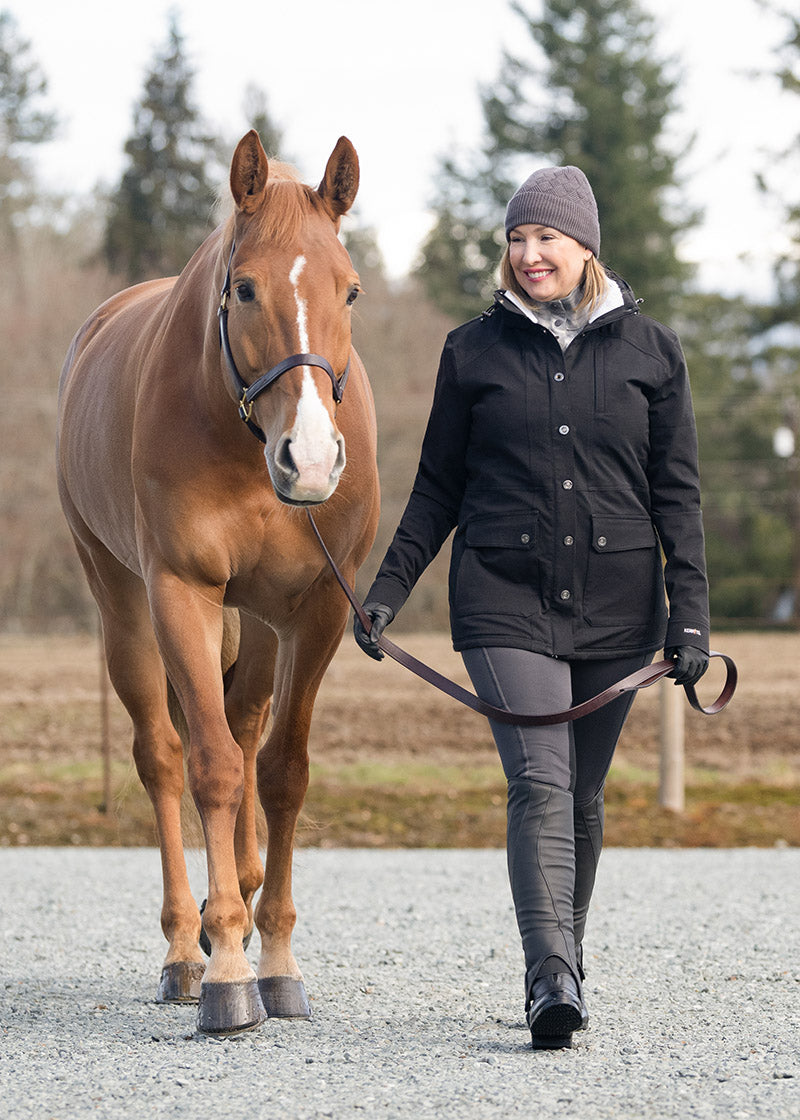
x: 413, y: 966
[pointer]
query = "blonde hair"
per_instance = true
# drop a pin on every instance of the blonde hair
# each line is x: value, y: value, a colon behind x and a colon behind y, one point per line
x: 594, y: 282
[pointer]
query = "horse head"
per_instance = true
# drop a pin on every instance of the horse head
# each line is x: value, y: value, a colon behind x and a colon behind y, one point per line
x: 285, y: 314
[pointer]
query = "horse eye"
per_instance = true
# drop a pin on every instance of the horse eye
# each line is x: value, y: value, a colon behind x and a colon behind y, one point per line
x: 352, y: 297
x: 245, y: 291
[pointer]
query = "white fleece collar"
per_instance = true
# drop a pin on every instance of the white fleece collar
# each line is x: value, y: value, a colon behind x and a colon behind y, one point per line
x: 559, y: 316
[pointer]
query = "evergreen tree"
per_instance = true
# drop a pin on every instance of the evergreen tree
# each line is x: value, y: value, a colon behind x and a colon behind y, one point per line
x: 778, y: 344
x: 593, y: 94
x: 24, y: 123
x: 787, y: 273
x: 164, y: 204
x: 737, y: 403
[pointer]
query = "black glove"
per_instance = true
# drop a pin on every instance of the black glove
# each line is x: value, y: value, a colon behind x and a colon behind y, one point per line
x: 690, y: 663
x: 380, y: 616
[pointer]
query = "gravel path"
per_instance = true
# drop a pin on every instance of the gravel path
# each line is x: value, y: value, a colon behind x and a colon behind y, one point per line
x: 413, y: 966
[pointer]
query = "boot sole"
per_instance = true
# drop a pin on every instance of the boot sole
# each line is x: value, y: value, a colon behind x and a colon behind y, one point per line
x: 553, y: 1042
x: 553, y: 1026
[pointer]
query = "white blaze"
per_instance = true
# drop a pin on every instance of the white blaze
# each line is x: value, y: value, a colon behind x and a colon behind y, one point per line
x: 302, y: 306
x: 312, y: 439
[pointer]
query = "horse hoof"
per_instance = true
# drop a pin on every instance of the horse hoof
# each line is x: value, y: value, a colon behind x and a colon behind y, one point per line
x: 205, y: 944
x: 284, y: 997
x: 180, y: 982
x: 230, y: 1008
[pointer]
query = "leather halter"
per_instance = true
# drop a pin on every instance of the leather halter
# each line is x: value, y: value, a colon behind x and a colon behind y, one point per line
x: 246, y: 394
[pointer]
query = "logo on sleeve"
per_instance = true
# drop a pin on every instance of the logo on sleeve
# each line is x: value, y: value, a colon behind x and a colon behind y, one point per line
x: 691, y: 630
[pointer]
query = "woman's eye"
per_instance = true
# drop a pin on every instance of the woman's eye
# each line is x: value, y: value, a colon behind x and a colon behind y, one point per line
x: 245, y: 291
x: 352, y: 297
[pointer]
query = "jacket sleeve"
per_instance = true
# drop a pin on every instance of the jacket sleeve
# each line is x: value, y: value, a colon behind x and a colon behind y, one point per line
x: 675, y: 505
x: 433, y: 505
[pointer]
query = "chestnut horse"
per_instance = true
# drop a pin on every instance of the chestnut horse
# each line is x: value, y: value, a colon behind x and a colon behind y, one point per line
x: 179, y: 514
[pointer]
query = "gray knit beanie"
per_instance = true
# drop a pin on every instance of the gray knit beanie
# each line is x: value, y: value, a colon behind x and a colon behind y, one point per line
x: 559, y: 197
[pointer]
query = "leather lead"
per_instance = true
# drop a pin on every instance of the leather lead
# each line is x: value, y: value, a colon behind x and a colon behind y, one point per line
x: 642, y: 678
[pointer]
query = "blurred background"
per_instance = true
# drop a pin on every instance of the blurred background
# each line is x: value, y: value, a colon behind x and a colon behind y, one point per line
x: 117, y: 126
x: 116, y: 132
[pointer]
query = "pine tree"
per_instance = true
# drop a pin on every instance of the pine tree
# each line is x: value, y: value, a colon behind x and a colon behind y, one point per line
x: 24, y: 123
x: 787, y: 272
x: 594, y: 94
x: 779, y: 341
x: 163, y: 206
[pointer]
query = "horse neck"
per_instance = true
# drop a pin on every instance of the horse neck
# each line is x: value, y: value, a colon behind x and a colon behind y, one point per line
x: 191, y: 318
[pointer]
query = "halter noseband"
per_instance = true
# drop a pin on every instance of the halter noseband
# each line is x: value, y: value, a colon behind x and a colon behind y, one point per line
x: 246, y: 394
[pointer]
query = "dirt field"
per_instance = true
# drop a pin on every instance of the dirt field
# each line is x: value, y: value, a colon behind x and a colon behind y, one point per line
x: 394, y: 763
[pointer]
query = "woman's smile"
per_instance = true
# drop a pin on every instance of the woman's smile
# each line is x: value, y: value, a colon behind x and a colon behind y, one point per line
x: 538, y: 274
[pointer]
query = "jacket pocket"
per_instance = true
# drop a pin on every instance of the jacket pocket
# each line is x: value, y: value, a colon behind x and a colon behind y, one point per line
x: 624, y: 571
x: 497, y: 564
x: 505, y: 531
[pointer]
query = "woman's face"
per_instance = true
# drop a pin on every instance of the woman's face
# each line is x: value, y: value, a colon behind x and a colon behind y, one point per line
x: 547, y: 264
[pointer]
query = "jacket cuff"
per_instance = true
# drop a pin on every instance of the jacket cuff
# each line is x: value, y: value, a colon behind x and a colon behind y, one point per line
x: 684, y: 633
x: 387, y: 591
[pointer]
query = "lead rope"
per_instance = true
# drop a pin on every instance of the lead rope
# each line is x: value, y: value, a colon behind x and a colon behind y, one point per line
x: 642, y: 678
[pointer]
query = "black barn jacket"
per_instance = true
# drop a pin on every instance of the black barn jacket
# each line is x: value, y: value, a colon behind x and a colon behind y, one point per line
x: 565, y: 475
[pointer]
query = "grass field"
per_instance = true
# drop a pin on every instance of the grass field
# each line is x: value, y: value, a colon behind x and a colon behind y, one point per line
x: 395, y: 764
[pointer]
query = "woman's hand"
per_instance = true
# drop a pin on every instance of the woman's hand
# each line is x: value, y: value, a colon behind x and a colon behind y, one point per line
x: 690, y: 663
x: 380, y: 616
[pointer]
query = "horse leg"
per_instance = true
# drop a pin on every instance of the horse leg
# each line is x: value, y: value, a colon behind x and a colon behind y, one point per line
x: 247, y: 702
x: 188, y: 624
x: 282, y: 775
x: 137, y: 674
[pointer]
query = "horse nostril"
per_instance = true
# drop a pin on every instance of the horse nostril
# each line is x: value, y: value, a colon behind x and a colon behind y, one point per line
x: 341, y: 458
x: 283, y: 456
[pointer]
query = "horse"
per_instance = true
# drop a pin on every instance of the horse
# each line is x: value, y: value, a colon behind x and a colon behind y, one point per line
x: 192, y: 532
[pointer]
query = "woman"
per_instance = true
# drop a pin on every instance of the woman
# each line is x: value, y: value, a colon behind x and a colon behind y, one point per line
x: 561, y: 447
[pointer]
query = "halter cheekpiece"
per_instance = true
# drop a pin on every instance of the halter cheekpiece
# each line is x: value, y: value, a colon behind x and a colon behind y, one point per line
x: 246, y: 394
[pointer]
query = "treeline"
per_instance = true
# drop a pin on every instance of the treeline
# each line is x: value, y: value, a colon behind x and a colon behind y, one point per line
x: 587, y: 88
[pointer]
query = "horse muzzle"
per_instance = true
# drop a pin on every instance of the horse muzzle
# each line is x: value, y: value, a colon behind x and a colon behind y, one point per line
x: 304, y: 473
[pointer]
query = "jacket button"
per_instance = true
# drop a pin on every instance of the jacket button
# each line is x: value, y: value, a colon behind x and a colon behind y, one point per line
x: 602, y: 542
x: 558, y: 376
x: 564, y: 429
x: 569, y: 540
x: 566, y: 594
x: 567, y: 483
x: 525, y: 538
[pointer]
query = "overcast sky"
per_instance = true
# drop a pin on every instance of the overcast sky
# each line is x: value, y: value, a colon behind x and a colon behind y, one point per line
x: 401, y: 80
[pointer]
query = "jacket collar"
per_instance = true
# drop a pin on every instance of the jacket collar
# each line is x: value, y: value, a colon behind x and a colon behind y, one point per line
x: 617, y: 300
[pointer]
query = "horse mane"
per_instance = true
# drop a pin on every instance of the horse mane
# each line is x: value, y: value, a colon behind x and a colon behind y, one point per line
x: 287, y: 201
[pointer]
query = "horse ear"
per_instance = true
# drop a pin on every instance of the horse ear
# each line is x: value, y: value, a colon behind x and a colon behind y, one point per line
x: 340, y: 183
x: 249, y: 171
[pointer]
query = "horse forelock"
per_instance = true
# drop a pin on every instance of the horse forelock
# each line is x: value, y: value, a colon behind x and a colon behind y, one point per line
x: 286, y: 204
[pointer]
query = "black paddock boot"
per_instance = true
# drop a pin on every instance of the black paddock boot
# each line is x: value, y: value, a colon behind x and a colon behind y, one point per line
x: 541, y: 869
x: 556, y: 1010
x: 582, y: 974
